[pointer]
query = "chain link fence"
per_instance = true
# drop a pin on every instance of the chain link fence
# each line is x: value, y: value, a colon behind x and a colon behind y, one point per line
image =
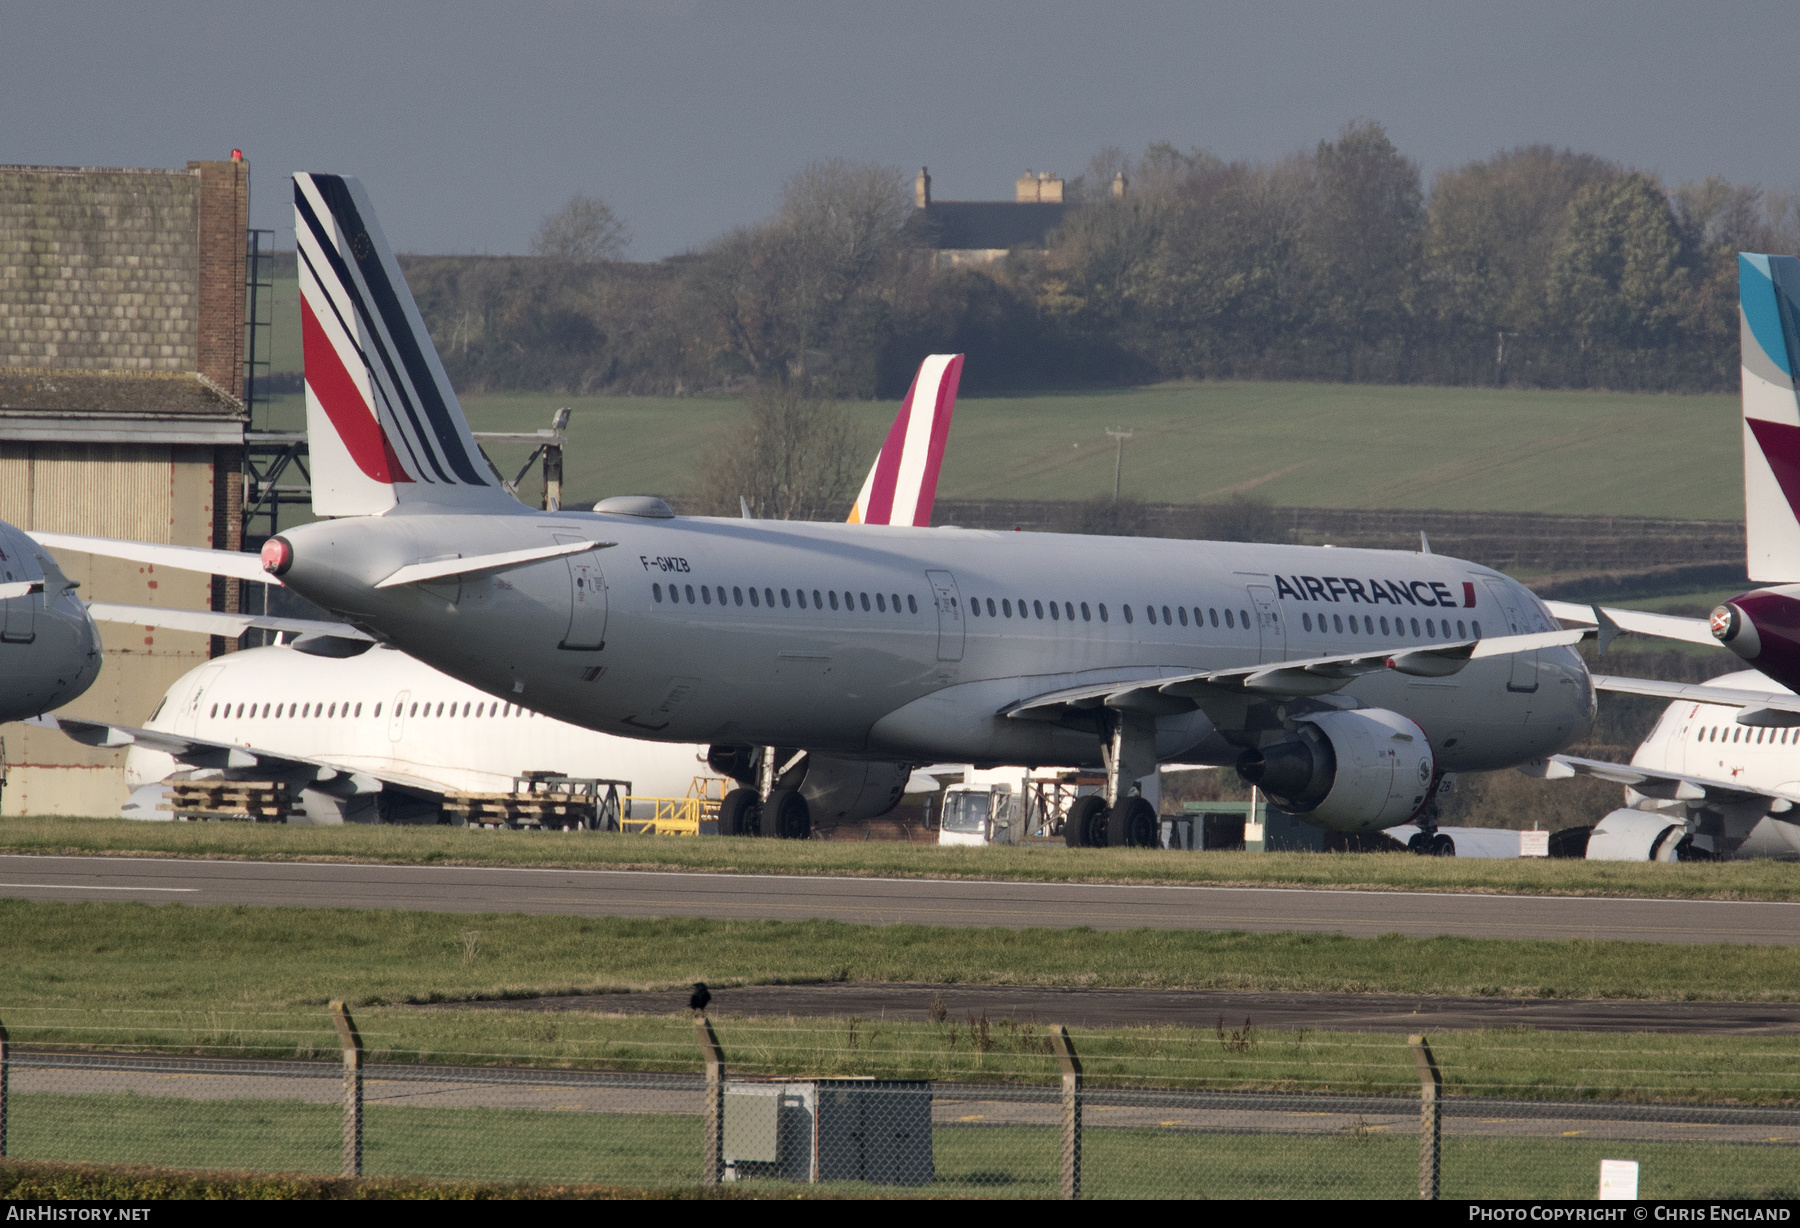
x: 1370, y: 1117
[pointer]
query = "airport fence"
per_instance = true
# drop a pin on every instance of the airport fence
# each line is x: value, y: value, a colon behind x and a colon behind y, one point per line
x: 1024, y: 1111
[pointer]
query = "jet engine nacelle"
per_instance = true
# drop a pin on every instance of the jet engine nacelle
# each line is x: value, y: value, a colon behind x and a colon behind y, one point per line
x: 852, y: 790
x: 1351, y: 771
x: 1763, y: 627
x: 1638, y: 835
x: 836, y: 790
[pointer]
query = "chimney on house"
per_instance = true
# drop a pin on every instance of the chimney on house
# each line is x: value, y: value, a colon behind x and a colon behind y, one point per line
x: 1119, y: 182
x: 922, y: 188
x: 1039, y: 189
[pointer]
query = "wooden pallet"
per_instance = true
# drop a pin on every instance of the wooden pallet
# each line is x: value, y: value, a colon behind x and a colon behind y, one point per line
x: 233, y: 801
x: 545, y: 811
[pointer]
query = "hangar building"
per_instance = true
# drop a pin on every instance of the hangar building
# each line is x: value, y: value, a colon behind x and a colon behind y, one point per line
x: 122, y: 414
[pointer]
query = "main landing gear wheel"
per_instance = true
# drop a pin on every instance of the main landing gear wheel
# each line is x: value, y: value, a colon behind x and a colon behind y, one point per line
x: 1085, y: 828
x: 1432, y: 844
x: 789, y: 816
x: 740, y: 814
x: 1133, y: 823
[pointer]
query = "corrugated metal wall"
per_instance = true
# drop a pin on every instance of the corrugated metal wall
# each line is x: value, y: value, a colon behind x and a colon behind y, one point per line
x: 147, y: 492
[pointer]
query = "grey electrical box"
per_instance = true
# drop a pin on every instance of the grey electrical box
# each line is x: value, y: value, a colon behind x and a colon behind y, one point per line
x: 871, y: 1130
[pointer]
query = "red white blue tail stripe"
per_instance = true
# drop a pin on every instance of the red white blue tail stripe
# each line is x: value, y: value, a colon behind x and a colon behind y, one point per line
x: 384, y: 425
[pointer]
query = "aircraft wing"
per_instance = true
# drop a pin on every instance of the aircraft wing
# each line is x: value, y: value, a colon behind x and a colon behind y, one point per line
x: 1654, y: 782
x: 1638, y: 622
x: 202, y: 753
x: 234, y: 563
x: 1170, y: 694
x: 1755, y: 703
x: 209, y: 622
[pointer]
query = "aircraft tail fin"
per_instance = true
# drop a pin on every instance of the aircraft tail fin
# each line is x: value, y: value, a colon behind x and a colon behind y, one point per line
x: 902, y: 486
x: 1769, y: 336
x: 383, y: 424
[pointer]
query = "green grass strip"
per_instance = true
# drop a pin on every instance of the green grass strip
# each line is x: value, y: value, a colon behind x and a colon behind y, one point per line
x: 565, y: 1155
x: 61, y: 835
x: 106, y: 955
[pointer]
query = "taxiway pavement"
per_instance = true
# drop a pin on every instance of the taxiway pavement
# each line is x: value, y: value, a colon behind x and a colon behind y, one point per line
x: 888, y: 901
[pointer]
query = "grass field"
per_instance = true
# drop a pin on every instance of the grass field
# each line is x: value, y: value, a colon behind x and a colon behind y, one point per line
x: 647, y: 1149
x: 1742, y: 880
x: 1295, y: 444
x: 85, y: 957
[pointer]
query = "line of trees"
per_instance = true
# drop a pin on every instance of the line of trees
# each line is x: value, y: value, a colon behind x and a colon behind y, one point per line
x: 1535, y: 267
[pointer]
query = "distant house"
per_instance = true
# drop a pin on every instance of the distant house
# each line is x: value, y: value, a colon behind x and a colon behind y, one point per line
x: 976, y: 232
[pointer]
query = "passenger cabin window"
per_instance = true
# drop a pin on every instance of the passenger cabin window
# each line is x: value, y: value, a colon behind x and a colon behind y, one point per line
x: 1102, y: 611
x: 1085, y: 616
x: 1127, y: 610
x: 912, y: 605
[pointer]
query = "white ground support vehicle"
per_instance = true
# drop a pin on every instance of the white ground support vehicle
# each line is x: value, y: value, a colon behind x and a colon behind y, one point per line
x: 1008, y: 805
x: 982, y: 814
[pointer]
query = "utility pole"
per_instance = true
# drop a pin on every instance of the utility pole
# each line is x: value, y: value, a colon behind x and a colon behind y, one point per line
x: 1119, y: 459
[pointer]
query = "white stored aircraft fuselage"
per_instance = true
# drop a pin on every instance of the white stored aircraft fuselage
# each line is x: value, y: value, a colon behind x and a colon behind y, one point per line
x: 410, y: 732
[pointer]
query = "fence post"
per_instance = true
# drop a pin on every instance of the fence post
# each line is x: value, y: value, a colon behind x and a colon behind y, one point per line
x: 712, y: 1156
x: 1071, y: 1111
x: 353, y: 1088
x: 5, y: 1075
x: 1431, y: 1084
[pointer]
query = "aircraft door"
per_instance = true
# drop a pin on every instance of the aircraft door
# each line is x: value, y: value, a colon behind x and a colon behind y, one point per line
x: 1524, y: 664
x: 187, y: 721
x: 397, y: 721
x: 949, y: 615
x: 1269, y: 627
x: 587, y: 609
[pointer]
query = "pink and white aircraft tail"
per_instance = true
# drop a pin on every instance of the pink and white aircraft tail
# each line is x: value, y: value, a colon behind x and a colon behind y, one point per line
x: 902, y: 486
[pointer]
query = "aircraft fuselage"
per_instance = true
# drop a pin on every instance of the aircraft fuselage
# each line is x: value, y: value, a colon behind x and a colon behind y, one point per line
x: 861, y: 640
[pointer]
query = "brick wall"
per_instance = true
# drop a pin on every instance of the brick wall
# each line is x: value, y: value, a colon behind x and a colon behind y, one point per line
x: 99, y: 269
x: 224, y: 213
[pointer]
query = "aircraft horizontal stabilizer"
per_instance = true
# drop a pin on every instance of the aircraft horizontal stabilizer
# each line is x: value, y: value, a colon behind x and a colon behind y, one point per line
x: 233, y: 563
x: 207, y: 622
x: 1286, y: 679
x: 1653, y: 782
x: 20, y: 588
x: 1768, y: 707
x: 1639, y: 622
x: 439, y: 569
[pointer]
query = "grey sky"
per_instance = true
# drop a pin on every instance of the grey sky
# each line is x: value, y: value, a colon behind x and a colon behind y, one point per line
x: 468, y: 122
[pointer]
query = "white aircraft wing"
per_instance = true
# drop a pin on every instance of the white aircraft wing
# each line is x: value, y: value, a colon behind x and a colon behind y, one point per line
x: 201, y: 753
x: 1169, y: 694
x: 208, y: 622
x: 1638, y: 622
x: 234, y: 563
x: 1654, y: 782
x: 1754, y: 703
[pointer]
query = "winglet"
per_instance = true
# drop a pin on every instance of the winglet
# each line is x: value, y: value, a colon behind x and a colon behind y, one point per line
x: 902, y: 486
x: 1424, y: 543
